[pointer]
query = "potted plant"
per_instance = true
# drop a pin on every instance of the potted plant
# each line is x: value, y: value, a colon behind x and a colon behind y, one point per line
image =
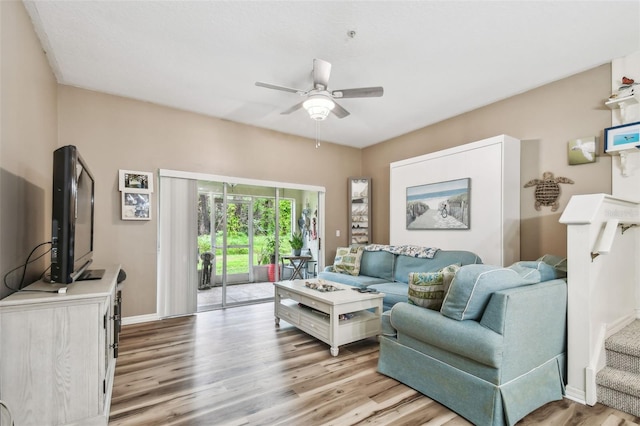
x: 267, y: 257
x: 296, y: 242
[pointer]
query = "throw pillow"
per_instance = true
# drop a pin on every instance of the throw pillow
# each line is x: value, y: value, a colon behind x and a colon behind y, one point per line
x: 547, y: 272
x: 473, y: 286
x: 347, y: 260
x: 559, y: 264
x: 427, y: 289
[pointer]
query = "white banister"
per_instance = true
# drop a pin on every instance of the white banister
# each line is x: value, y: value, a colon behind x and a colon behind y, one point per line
x: 606, y: 239
x: 602, y: 290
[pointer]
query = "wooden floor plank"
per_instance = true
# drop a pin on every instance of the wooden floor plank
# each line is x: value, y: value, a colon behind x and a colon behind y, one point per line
x: 236, y: 367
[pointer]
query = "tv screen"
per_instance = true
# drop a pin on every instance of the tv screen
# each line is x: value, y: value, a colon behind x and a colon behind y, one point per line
x: 72, y: 216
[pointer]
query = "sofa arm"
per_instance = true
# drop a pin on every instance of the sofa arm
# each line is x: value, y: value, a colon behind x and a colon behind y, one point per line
x: 465, y: 338
x: 533, y: 321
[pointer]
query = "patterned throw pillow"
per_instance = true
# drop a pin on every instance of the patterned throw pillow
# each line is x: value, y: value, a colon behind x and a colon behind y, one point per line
x: 427, y: 289
x: 347, y: 260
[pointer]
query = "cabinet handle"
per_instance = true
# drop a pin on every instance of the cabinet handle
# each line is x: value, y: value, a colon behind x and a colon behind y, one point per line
x: 115, y: 350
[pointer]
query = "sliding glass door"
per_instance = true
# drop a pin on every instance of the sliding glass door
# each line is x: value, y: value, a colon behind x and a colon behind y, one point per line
x: 241, y: 242
x: 241, y: 231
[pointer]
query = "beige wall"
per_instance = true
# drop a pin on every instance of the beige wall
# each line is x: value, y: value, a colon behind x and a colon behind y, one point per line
x: 116, y: 133
x: 28, y: 135
x: 112, y: 133
x: 544, y: 119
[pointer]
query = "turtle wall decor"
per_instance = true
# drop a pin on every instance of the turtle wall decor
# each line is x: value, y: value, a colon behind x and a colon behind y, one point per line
x: 547, y: 190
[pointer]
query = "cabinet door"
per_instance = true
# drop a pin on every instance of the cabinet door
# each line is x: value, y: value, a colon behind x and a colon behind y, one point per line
x: 359, y: 210
x: 49, y: 362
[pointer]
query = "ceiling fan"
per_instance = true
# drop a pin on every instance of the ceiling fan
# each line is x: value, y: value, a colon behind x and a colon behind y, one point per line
x: 320, y: 101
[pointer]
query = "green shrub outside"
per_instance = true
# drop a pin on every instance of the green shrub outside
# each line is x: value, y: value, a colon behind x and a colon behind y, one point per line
x: 237, y: 258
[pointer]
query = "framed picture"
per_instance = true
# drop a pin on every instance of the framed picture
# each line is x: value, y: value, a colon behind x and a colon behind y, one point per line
x: 620, y: 138
x: 440, y: 205
x: 582, y: 151
x: 136, y: 206
x: 359, y: 210
x: 132, y: 181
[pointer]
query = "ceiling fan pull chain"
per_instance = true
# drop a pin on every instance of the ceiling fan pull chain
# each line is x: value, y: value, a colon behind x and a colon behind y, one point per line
x: 317, y: 141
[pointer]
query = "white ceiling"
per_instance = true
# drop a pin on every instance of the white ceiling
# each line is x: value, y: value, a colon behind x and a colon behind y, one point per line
x: 435, y: 59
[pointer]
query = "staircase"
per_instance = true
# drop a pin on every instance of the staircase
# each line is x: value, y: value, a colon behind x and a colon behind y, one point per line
x: 618, y: 384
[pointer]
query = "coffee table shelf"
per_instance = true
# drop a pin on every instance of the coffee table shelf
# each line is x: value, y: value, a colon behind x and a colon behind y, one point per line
x: 318, y: 313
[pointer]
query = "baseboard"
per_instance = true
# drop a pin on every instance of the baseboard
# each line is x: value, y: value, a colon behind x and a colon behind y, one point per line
x: 575, y: 394
x: 139, y: 319
x: 619, y: 324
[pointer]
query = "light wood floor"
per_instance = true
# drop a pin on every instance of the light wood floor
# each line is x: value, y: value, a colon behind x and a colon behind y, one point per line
x: 235, y: 367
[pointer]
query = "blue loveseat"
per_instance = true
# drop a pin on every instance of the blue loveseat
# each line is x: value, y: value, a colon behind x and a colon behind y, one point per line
x: 494, y: 352
x: 389, y: 273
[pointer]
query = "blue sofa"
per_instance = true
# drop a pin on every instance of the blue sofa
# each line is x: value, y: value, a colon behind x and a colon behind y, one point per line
x: 494, y: 352
x: 389, y: 273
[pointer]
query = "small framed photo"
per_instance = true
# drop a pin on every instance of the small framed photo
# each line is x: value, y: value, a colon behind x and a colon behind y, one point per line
x: 620, y: 138
x: 136, y: 206
x: 133, y: 181
x: 582, y: 151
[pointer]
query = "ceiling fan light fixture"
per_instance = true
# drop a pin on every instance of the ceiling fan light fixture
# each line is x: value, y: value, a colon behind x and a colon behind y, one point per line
x: 318, y: 107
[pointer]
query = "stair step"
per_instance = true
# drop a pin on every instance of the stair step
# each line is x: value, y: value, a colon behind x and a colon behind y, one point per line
x: 622, y: 361
x: 626, y: 341
x: 618, y: 384
x: 619, y: 380
x: 619, y: 389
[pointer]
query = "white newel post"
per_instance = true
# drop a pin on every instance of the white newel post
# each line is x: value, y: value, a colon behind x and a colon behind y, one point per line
x: 625, y: 165
x: 602, y: 283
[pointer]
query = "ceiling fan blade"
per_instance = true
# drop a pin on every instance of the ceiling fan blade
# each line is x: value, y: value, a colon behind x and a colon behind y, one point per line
x: 293, y: 108
x: 284, y: 89
x: 339, y: 111
x: 362, y: 92
x: 321, y: 73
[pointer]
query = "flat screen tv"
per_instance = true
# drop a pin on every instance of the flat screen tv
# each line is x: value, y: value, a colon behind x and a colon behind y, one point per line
x: 72, y: 217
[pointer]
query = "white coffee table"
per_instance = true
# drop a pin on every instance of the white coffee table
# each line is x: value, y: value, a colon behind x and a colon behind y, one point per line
x: 319, y: 313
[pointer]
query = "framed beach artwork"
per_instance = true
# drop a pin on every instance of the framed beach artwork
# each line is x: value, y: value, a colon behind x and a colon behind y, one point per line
x: 440, y: 205
x: 620, y: 138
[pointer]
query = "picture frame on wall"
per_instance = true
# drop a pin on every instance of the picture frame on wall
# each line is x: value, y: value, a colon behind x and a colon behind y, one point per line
x: 359, y: 211
x: 581, y: 151
x: 136, y: 205
x: 623, y: 137
x: 439, y: 205
x: 133, y: 181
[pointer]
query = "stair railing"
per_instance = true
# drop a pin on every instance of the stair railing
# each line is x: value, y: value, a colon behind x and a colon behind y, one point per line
x: 603, y: 282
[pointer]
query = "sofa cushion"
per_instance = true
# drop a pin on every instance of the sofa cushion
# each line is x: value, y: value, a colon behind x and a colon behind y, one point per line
x: 393, y: 293
x: 347, y: 260
x: 473, y: 285
x: 354, y: 280
x: 467, y: 339
x: 427, y: 289
x: 407, y: 264
x: 378, y: 264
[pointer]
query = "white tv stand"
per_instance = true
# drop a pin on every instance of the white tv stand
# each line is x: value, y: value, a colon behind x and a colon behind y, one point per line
x: 59, y: 352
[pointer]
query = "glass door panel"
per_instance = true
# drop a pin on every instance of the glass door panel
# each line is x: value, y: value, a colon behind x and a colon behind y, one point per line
x: 232, y: 243
x: 242, y: 236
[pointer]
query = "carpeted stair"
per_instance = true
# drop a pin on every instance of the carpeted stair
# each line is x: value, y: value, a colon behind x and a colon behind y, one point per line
x: 618, y: 384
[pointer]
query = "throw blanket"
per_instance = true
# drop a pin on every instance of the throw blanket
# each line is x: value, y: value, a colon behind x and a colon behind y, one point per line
x: 413, y: 251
